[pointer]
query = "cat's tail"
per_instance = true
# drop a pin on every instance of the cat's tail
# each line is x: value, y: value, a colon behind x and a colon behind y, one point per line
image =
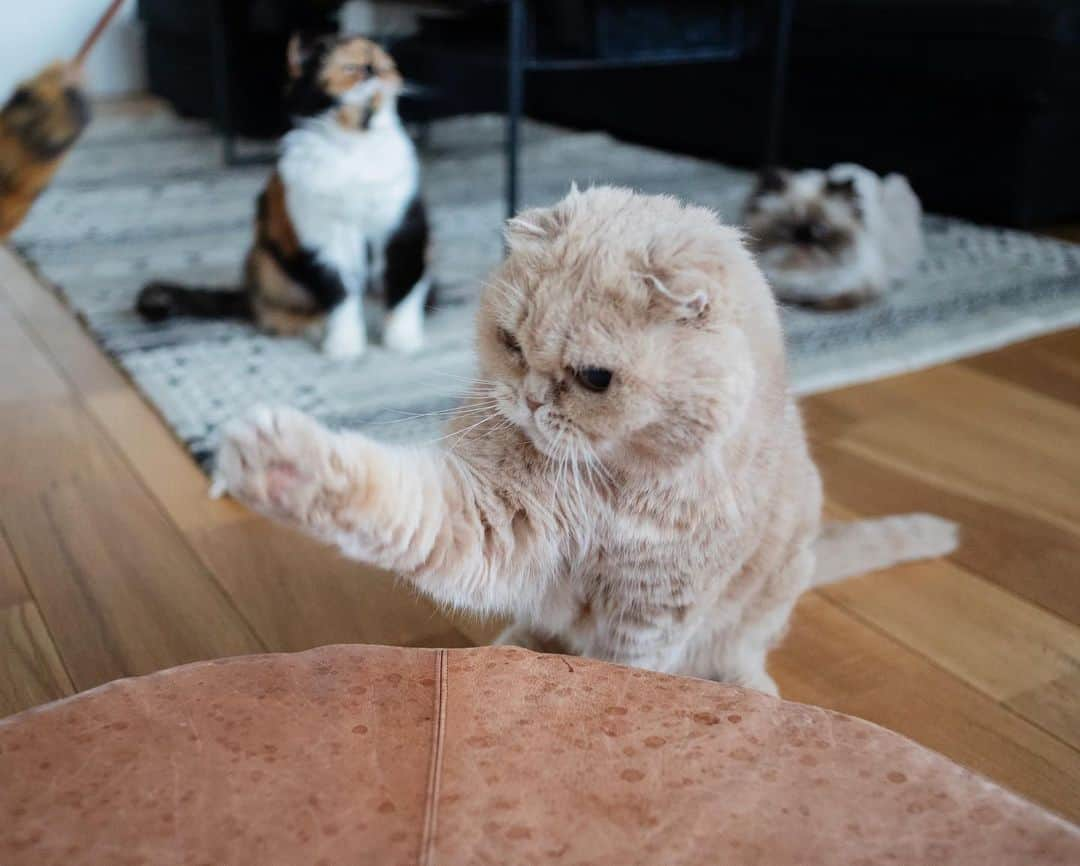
x: 851, y: 548
x: 162, y: 300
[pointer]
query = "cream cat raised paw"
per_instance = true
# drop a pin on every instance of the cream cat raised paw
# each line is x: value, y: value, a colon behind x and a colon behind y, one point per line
x: 285, y: 464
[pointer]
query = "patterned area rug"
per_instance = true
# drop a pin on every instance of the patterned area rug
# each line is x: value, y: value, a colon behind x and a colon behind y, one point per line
x: 147, y: 196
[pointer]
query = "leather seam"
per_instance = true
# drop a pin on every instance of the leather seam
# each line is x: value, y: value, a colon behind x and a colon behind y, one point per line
x: 431, y: 807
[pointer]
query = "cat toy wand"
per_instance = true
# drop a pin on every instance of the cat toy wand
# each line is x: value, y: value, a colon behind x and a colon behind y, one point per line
x: 40, y: 122
x: 95, y: 34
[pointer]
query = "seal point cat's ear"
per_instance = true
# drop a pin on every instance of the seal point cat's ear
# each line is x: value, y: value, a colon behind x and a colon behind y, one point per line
x: 843, y: 187
x: 772, y: 179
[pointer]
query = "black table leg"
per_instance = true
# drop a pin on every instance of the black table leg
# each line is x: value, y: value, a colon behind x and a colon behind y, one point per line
x: 515, y: 98
x: 784, y: 12
x: 219, y: 49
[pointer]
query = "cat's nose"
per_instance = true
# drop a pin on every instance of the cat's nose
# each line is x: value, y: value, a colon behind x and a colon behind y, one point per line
x: 804, y: 233
x: 532, y: 404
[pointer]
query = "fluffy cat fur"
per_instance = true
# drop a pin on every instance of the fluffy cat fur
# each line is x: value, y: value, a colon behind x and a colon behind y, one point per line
x: 39, y: 123
x: 833, y: 239
x: 345, y: 194
x: 630, y: 480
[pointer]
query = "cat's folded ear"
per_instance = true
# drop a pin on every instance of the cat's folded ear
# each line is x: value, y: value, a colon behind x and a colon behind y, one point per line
x: 692, y: 303
x: 542, y: 224
x: 534, y: 226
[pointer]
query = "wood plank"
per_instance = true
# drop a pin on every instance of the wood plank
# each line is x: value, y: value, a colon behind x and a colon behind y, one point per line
x: 1056, y: 705
x: 1043, y: 370
x: 162, y: 463
x: 48, y: 443
x: 30, y: 669
x: 985, y: 636
x: 831, y: 659
x: 31, y: 672
x: 13, y: 588
x: 31, y: 376
x: 823, y: 421
x: 298, y: 593
x: 975, y: 436
x: 970, y: 399
x: 54, y: 326
x: 116, y: 583
x: 1033, y: 558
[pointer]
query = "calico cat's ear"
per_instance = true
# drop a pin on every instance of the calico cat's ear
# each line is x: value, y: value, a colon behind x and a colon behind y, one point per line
x: 301, y: 47
x: 772, y: 178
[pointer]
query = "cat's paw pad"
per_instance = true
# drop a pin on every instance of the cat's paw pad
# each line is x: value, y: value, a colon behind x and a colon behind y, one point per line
x: 275, y: 459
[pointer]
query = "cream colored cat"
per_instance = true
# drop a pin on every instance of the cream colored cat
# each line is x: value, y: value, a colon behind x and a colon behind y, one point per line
x: 632, y: 482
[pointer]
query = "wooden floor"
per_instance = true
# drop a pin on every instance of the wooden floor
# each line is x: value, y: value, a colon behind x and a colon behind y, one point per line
x: 114, y: 562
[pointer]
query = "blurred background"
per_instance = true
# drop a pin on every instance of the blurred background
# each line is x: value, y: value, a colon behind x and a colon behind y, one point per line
x: 974, y: 100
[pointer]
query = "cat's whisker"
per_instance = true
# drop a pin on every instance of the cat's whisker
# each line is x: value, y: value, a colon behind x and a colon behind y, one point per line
x: 458, y: 435
x: 468, y: 379
x: 451, y: 412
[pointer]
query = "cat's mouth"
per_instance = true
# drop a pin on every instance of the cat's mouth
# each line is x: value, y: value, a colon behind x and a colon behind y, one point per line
x: 513, y: 408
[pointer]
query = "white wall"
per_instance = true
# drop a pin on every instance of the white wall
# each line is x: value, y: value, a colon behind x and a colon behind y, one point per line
x: 36, y: 32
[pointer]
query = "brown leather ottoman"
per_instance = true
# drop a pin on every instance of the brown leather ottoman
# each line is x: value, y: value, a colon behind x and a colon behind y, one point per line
x: 372, y: 755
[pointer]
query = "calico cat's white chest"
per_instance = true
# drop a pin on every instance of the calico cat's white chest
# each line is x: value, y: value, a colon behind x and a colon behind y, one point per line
x: 347, y: 184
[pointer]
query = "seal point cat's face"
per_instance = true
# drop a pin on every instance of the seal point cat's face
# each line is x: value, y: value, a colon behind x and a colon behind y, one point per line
x: 350, y: 78
x: 47, y: 113
x: 799, y: 220
x: 611, y: 331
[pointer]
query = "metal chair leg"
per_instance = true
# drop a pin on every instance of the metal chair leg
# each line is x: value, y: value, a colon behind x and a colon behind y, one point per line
x: 515, y: 98
x: 784, y: 12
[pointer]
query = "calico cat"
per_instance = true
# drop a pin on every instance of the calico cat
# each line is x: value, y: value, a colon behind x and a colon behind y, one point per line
x: 833, y: 239
x: 39, y: 123
x: 631, y: 480
x: 345, y: 195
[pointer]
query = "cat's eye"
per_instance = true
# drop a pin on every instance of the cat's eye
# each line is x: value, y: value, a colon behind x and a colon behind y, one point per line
x: 593, y: 378
x: 510, y: 341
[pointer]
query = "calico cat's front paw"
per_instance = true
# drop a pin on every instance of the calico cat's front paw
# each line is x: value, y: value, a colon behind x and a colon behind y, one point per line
x: 280, y: 462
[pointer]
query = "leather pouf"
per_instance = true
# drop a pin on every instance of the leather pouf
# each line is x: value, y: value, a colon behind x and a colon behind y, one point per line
x: 359, y: 755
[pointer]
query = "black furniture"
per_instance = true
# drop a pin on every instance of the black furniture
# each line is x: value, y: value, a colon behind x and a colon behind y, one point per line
x: 224, y: 60
x: 628, y: 34
x: 481, y: 60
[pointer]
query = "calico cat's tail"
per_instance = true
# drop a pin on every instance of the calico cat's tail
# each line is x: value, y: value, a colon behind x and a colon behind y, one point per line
x: 161, y: 300
x: 847, y: 549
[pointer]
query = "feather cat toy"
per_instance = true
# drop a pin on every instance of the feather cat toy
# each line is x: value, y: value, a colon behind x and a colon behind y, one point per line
x: 38, y: 125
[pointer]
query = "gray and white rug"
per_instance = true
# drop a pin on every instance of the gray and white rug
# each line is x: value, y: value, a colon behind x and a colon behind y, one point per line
x: 144, y: 197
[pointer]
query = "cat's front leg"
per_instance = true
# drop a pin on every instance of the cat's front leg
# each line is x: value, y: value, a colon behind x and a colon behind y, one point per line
x: 284, y: 464
x: 419, y: 512
x: 345, y: 337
